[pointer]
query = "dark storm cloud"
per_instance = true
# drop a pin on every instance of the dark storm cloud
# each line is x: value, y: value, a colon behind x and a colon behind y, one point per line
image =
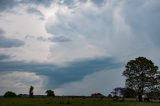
x: 54, y: 39
x: 4, y: 57
x: 1, y: 32
x: 9, y: 43
x: 59, y: 76
x: 99, y: 2
x: 7, y: 4
x: 72, y: 3
x: 36, y: 12
x: 59, y: 39
x: 45, y: 3
x: 78, y: 70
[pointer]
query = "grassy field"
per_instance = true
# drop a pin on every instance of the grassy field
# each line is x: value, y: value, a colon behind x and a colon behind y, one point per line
x: 70, y: 102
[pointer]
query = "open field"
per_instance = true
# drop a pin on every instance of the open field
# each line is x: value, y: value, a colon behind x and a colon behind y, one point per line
x: 70, y: 102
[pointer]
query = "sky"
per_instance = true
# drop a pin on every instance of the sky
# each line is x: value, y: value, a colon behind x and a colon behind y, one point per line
x: 74, y: 47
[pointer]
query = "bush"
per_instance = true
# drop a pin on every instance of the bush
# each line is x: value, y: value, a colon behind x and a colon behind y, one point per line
x: 10, y: 94
x: 50, y: 93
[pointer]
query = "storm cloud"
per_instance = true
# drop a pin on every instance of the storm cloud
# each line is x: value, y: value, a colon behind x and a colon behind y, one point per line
x: 60, y: 75
x: 4, y: 57
x: 75, y: 42
x: 9, y: 43
x: 36, y: 12
x: 7, y: 4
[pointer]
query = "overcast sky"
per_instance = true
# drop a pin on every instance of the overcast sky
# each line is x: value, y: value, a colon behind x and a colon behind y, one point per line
x: 74, y: 47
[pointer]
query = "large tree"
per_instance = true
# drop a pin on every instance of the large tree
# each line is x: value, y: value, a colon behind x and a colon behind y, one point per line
x: 141, y: 74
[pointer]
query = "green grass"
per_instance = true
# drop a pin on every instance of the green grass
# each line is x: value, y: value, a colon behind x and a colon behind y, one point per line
x: 70, y: 102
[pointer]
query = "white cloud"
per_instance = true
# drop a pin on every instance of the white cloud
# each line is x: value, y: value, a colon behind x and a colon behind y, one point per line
x: 21, y: 25
x: 19, y: 82
x: 96, y: 32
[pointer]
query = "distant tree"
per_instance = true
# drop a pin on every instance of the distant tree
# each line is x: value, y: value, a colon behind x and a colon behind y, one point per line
x: 50, y: 93
x: 31, y: 91
x: 109, y: 96
x: 116, y: 91
x: 10, y: 94
x: 97, y: 95
x: 115, y: 94
x: 140, y: 74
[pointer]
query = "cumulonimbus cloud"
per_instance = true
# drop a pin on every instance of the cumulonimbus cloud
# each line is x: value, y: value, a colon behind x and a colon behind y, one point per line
x: 80, y: 36
x: 114, y: 29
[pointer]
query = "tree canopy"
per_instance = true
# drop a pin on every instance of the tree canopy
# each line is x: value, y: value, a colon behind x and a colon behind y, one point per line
x: 50, y: 93
x: 10, y: 94
x: 141, y: 74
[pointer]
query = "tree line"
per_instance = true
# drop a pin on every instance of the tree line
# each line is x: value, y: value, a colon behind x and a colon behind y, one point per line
x: 50, y: 93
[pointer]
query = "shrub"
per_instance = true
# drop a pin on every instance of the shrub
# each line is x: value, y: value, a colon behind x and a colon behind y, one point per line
x: 10, y: 94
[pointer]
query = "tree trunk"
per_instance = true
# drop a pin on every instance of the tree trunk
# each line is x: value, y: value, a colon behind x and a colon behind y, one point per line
x: 140, y: 97
x: 140, y: 93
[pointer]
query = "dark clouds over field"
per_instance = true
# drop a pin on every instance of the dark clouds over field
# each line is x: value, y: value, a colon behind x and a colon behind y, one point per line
x: 74, y: 46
